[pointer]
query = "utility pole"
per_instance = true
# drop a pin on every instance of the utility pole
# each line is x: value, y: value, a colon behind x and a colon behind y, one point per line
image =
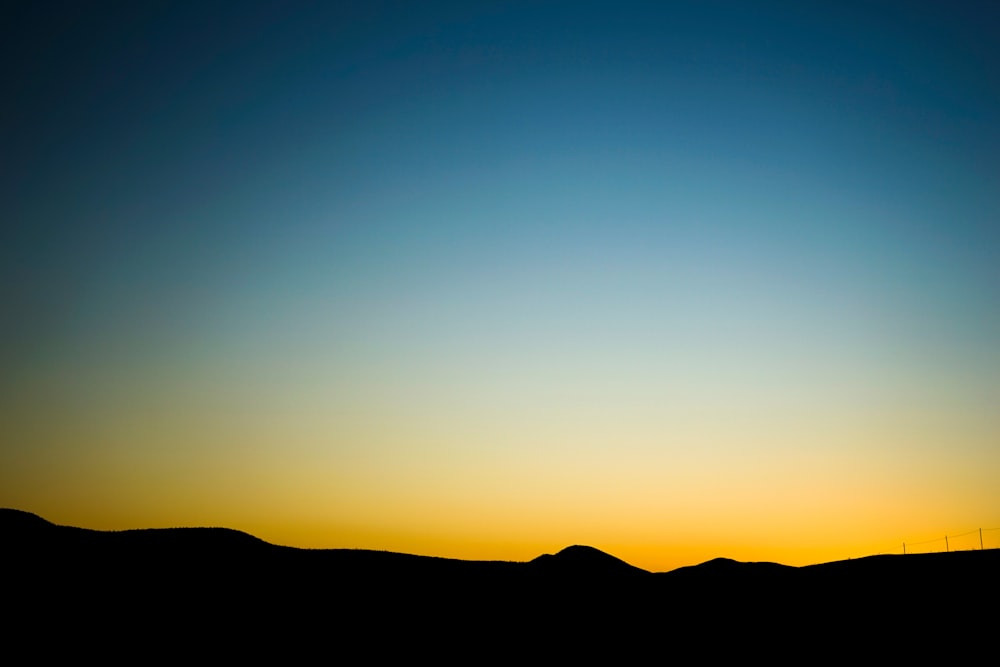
x: 904, y: 548
x: 946, y: 544
x: 980, y: 539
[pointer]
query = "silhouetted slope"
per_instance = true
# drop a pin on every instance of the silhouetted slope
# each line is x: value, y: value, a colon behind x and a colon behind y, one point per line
x: 730, y: 575
x: 12, y: 521
x: 583, y: 561
x: 180, y: 585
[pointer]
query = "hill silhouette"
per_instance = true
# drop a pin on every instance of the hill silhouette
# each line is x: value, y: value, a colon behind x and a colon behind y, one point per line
x: 235, y: 587
x: 583, y: 561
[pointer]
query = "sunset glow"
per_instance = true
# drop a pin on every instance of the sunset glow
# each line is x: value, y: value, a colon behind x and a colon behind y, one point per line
x: 676, y: 282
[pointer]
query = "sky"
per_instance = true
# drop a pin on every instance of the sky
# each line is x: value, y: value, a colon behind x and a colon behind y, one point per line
x: 484, y: 280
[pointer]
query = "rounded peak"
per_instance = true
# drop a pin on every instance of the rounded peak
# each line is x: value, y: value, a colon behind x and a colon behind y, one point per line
x: 582, y: 559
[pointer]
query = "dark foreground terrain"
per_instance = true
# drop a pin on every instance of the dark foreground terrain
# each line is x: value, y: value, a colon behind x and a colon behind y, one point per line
x: 224, y: 594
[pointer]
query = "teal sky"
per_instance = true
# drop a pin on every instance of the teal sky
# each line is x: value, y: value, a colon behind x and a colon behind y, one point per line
x: 509, y: 236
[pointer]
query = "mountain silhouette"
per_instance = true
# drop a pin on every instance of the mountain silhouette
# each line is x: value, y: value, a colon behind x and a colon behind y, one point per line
x: 578, y: 560
x: 183, y: 586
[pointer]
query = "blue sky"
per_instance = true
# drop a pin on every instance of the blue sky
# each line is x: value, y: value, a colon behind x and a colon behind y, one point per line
x: 624, y: 224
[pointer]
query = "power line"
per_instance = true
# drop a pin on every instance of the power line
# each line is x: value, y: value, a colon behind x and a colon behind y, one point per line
x: 948, y: 540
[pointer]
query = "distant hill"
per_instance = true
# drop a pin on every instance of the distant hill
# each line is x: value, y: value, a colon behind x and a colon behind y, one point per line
x: 583, y: 561
x: 146, y: 581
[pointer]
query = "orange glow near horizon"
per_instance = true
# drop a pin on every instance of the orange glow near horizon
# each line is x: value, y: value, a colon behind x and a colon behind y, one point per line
x: 454, y: 495
x: 502, y: 481
x: 673, y: 281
